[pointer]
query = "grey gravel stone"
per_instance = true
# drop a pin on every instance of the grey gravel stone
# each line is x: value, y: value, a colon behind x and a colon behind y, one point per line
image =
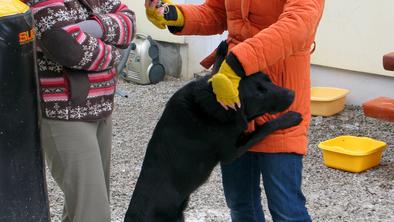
x: 332, y: 195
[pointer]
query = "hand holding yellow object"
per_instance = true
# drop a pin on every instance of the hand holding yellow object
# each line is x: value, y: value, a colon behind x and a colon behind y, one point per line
x: 225, y: 85
x: 164, y: 13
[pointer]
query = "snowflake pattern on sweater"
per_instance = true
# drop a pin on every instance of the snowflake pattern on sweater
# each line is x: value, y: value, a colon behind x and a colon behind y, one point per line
x: 57, y: 20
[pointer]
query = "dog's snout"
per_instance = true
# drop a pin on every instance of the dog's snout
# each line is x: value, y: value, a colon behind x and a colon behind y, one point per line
x: 288, y: 98
x: 283, y: 101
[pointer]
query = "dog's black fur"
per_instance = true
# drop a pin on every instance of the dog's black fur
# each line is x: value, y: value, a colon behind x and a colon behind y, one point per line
x: 193, y: 135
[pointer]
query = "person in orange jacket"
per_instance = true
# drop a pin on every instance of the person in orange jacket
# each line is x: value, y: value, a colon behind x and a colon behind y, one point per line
x: 274, y: 37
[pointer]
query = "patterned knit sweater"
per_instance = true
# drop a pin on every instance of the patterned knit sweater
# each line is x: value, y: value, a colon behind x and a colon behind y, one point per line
x: 76, y: 71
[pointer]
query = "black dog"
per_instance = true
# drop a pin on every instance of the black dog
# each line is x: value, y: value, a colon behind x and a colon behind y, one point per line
x: 193, y: 135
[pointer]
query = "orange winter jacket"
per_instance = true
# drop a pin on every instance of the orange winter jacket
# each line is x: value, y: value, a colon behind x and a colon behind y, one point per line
x: 272, y: 36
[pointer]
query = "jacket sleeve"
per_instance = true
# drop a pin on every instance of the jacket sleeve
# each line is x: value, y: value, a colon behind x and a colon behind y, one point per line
x: 291, y: 34
x: 208, y: 18
x: 118, y: 25
x: 61, y: 39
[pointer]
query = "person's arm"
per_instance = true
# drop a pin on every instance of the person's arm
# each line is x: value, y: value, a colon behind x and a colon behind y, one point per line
x: 91, y: 27
x: 62, y: 40
x: 291, y: 34
x: 209, y: 18
x: 118, y: 24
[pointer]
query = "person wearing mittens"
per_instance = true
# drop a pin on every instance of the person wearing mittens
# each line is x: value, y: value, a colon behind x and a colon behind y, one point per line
x: 273, y: 37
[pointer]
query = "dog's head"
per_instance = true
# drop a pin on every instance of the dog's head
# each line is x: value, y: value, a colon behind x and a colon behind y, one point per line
x: 257, y: 93
x: 259, y: 96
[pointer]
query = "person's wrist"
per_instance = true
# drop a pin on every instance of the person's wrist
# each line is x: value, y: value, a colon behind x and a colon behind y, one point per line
x: 175, y: 29
x: 174, y: 16
x: 235, y: 65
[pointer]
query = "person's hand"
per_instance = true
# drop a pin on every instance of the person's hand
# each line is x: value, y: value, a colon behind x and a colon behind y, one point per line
x: 163, y: 15
x: 225, y: 86
x: 91, y: 27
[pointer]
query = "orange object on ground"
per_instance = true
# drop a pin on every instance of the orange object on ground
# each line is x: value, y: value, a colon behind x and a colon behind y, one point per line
x: 388, y: 61
x: 271, y: 36
x: 380, y: 108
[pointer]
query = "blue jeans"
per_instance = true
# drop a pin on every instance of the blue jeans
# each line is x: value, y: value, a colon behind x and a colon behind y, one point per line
x: 281, y: 173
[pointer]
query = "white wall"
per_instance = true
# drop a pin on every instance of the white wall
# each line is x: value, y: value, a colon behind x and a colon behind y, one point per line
x: 193, y: 48
x: 355, y: 34
x: 362, y: 86
x: 200, y: 47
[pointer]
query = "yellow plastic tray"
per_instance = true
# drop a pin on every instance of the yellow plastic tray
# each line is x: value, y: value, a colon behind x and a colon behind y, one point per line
x: 327, y: 101
x: 351, y: 153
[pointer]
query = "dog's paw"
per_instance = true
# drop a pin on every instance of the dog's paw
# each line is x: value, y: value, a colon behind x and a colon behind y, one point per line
x: 289, y: 119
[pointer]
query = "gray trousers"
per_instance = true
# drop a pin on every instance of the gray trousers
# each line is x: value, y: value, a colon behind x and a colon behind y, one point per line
x: 78, y: 155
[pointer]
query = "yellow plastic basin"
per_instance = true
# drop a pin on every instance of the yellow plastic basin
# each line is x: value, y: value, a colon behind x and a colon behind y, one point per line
x: 351, y: 153
x: 327, y: 101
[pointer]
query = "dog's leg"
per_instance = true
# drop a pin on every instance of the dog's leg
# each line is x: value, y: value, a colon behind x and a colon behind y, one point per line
x: 287, y: 120
x: 229, y: 148
x: 182, y: 208
x: 161, y: 204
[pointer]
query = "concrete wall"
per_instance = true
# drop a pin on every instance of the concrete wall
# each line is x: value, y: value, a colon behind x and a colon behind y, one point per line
x: 200, y: 47
x: 355, y: 34
x: 362, y: 86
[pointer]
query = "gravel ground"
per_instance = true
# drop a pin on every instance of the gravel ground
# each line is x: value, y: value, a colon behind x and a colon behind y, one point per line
x: 332, y: 195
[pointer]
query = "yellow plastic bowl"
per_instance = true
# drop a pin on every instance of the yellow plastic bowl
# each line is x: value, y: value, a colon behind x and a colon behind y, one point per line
x: 327, y: 101
x: 351, y: 153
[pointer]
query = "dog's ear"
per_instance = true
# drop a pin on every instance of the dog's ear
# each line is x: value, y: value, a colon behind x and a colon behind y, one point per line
x: 204, y: 103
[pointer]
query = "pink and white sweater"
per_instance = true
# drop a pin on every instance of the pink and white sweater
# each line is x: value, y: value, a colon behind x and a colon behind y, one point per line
x: 77, y: 71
